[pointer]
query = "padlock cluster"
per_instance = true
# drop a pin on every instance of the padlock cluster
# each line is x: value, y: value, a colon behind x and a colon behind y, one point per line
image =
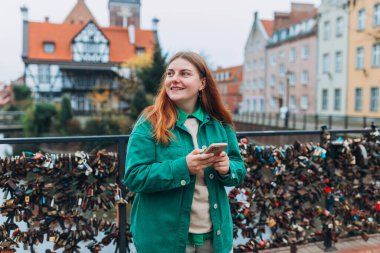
x: 61, y: 198
x: 305, y: 192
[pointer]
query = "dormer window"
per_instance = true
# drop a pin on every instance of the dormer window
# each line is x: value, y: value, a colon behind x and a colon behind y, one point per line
x: 49, y: 47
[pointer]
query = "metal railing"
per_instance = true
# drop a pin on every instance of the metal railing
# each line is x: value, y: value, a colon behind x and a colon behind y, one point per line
x: 304, y: 121
x: 122, y: 140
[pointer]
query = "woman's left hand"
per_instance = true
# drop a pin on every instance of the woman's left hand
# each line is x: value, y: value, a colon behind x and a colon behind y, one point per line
x: 222, y: 164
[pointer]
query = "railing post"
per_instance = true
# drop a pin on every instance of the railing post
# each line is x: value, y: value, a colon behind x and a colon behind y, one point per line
x: 330, y: 122
x: 304, y: 122
x: 277, y: 119
x: 294, y: 121
x: 345, y: 122
x: 263, y: 120
x: 121, y: 150
x: 316, y: 121
x: 364, y: 122
x: 270, y: 119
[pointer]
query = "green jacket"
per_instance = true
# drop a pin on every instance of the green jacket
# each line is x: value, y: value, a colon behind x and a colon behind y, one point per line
x: 160, y: 215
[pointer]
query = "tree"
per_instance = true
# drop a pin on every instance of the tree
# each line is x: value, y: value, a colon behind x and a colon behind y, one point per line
x: 138, y: 104
x: 21, y: 92
x: 66, y: 112
x: 150, y: 76
x: 37, y: 119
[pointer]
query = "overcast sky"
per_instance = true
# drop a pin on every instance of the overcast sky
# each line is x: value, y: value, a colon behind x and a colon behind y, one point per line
x: 217, y: 29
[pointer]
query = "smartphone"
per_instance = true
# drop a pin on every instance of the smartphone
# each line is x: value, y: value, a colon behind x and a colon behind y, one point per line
x: 215, y: 148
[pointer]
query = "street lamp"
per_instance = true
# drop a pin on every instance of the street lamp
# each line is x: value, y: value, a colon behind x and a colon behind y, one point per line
x: 288, y: 75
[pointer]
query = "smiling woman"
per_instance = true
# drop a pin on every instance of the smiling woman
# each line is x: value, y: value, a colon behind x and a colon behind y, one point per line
x: 181, y: 204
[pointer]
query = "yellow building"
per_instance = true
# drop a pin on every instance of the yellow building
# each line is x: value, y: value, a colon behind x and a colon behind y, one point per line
x: 364, y: 59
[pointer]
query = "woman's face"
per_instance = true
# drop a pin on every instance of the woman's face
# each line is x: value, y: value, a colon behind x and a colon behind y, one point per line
x: 182, y: 84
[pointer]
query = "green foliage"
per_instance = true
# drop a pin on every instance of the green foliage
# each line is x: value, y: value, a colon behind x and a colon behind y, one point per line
x: 73, y: 127
x: 108, y: 126
x: 138, y: 104
x: 37, y: 120
x: 21, y: 92
x: 66, y: 112
x: 150, y: 76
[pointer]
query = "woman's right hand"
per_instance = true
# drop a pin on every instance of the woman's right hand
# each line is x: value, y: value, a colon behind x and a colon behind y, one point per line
x: 197, y: 161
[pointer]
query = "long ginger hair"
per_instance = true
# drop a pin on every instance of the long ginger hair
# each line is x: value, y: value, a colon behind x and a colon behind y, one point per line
x: 163, y: 113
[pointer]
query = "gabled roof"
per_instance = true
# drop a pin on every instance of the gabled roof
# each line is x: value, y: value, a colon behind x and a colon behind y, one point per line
x: 62, y: 36
x: 236, y: 73
x: 80, y: 14
x: 268, y: 26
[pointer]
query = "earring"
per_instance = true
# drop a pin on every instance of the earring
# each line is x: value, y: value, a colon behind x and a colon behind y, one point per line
x: 200, y: 93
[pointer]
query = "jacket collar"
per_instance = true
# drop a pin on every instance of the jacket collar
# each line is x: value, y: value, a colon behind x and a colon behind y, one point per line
x: 199, y: 114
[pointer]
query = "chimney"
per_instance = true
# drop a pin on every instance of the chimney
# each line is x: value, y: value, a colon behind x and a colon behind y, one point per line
x: 25, y: 32
x: 132, y: 31
x: 24, y: 11
x: 155, y: 24
x: 255, y: 16
x: 46, y: 19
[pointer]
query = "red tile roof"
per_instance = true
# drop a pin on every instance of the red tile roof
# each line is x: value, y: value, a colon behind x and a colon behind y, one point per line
x: 268, y: 26
x: 62, y: 35
x: 236, y: 73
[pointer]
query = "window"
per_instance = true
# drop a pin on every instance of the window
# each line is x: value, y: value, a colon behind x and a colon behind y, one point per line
x: 262, y: 63
x: 361, y: 20
x: 376, y: 55
x: 273, y: 59
x: 304, y: 77
x: 273, y: 101
x: 254, y: 84
x: 324, y: 99
x: 254, y: 64
x: 305, y: 52
x: 44, y: 73
x: 326, y: 63
x: 282, y: 54
x: 282, y: 69
x: 224, y: 89
x: 326, y: 30
x: 292, y: 102
x: 304, y: 102
x: 358, y: 99
x: 254, y: 104
x: 140, y: 50
x: 272, y: 80
x: 339, y: 26
x: 376, y: 15
x: 292, y: 78
x: 374, y: 106
x: 338, y: 61
x: 261, y: 83
x: 49, y: 47
x: 281, y: 89
x: 292, y: 55
x: 360, y: 58
x: 262, y: 104
x: 337, y: 99
x: 247, y: 104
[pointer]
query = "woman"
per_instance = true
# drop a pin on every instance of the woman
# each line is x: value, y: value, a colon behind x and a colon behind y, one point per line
x: 181, y: 204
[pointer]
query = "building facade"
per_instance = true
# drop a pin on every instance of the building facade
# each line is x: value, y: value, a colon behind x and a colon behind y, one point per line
x: 291, y: 61
x: 229, y: 81
x: 364, y: 59
x: 332, y: 57
x: 254, y: 71
x: 78, y: 57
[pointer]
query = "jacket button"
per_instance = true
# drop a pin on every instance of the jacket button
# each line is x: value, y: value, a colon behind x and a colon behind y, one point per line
x: 183, y: 182
x: 211, y: 176
x: 215, y: 206
x: 218, y: 232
